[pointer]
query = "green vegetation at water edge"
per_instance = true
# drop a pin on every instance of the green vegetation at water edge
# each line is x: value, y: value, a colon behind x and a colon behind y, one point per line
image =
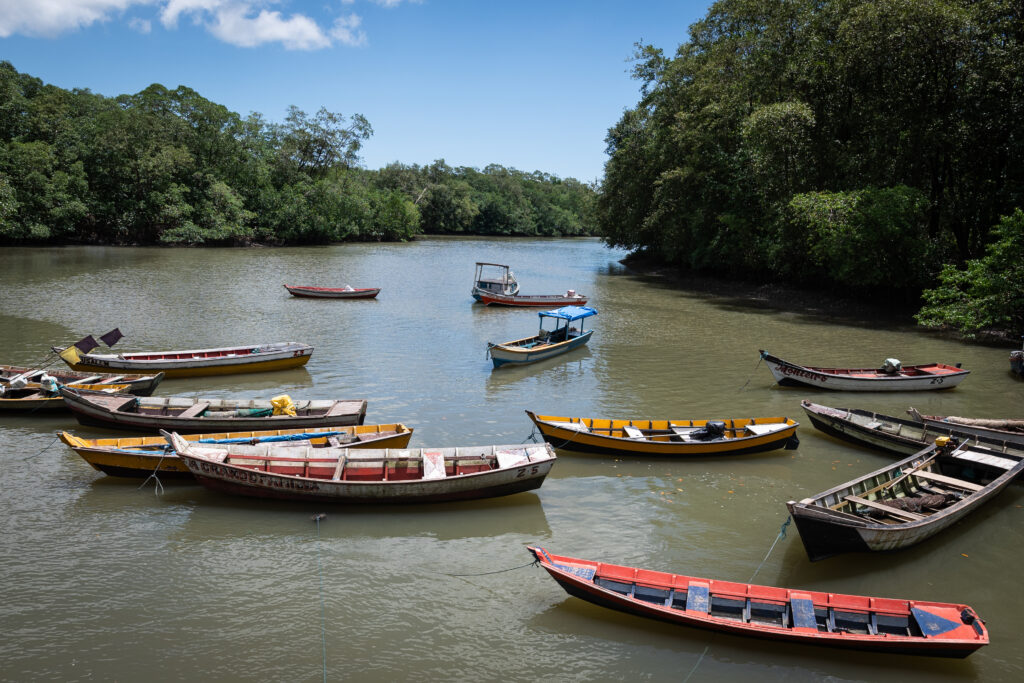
x: 171, y: 167
x: 876, y: 147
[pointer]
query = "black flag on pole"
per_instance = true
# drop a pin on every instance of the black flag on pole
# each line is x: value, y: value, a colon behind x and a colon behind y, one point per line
x: 86, y: 344
x: 112, y: 337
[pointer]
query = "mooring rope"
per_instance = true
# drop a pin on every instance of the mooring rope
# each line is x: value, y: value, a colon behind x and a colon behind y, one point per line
x: 29, y: 457
x: 158, y: 490
x: 752, y: 373
x: 781, y: 535
x: 498, y: 571
x: 323, y: 609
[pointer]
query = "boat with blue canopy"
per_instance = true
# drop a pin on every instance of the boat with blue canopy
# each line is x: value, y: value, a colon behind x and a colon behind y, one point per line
x: 567, y: 333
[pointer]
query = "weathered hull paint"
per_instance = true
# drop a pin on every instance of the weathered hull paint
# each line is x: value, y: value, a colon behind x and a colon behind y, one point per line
x: 332, y: 293
x: 789, y: 374
x: 531, y: 300
x: 508, y: 355
x: 222, y: 367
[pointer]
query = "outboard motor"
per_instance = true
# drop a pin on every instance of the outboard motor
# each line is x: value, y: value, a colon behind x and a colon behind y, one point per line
x: 891, y: 366
x: 713, y: 429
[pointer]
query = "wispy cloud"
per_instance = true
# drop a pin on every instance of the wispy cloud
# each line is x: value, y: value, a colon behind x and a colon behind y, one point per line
x: 246, y: 23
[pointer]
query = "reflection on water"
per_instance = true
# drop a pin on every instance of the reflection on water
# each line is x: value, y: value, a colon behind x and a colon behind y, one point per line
x: 132, y: 582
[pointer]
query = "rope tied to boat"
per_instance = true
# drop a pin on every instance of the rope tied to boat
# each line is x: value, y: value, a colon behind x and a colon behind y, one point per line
x: 781, y: 535
x: 497, y: 571
x: 158, y: 488
x: 759, y: 359
x: 55, y: 439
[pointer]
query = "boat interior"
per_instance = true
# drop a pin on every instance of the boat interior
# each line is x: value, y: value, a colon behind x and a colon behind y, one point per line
x: 675, y: 430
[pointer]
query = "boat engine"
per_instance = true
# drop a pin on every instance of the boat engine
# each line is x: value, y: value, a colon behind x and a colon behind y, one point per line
x: 713, y: 429
x: 891, y: 366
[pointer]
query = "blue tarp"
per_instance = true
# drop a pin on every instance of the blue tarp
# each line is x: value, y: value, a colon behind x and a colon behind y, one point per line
x: 569, y: 313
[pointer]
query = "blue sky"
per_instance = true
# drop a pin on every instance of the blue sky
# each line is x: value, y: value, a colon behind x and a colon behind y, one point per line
x: 530, y: 85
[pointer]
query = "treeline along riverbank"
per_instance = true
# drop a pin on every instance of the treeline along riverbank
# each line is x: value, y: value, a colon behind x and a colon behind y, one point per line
x: 171, y: 167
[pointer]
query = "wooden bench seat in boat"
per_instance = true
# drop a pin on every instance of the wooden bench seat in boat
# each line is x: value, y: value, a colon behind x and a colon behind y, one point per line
x: 760, y: 430
x: 433, y: 465
x: 195, y: 410
x: 895, y: 512
x: 943, y: 479
x: 633, y: 432
x: 684, y: 432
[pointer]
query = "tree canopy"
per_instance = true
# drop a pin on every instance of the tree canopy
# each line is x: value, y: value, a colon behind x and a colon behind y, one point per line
x: 171, y: 167
x: 860, y: 144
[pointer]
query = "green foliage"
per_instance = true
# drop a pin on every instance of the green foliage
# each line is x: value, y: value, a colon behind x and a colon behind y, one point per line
x: 988, y: 293
x: 757, y: 150
x: 170, y: 167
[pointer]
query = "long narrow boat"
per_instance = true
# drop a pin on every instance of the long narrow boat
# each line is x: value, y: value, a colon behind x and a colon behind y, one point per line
x: 903, y: 503
x: 140, y: 385
x: 902, y: 436
x: 191, y: 415
x: 892, y: 377
x: 332, y: 292
x: 34, y: 397
x: 730, y: 436
x: 140, y: 456
x: 546, y: 343
x: 784, y: 614
x: 196, y: 362
x: 1005, y: 429
x: 570, y: 298
x: 343, y: 475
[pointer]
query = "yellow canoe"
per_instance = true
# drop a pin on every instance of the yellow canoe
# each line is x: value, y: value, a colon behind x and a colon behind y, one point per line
x: 728, y: 436
x: 140, y: 456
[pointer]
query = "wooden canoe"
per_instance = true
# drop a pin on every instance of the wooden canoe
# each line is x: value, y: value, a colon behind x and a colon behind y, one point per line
x: 33, y: 397
x: 343, y: 475
x: 199, y: 362
x: 570, y: 298
x: 783, y: 614
x: 141, y: 456
x: 192, y: 415
x: 140, y: 385
x: 730, y: 436
x: 902, y: 436
x: 1006, y: 429
x: 332, y: 292
x: 929, y: 376
x: 903, y: 503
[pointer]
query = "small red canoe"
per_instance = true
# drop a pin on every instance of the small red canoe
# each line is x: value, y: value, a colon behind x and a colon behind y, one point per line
x: 332, y: 292
x: 850, y: 621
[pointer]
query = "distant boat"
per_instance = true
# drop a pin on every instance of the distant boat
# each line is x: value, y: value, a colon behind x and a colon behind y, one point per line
x: 902, y: 435
x: 783, y: 614
x: 1017, y: 361
x: 903, y: 503
x: 546, y: 343
x: 343, y: 475
x: 731, y: 436
x: 141, y: 456
x: 570, y: 298
x: 140, y: 385
x: 121, y: 411
x: 494, y: 278
x: 332, y: 292
x: 193, y: 362
x: 893, y: 376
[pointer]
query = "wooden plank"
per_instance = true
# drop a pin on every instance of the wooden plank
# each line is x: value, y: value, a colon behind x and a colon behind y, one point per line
x: 339, y: 468
x: 88, y: 380
x: 195, y: 410
x: 943, y: 479
x: 632, y: 432
x: 895, y: 512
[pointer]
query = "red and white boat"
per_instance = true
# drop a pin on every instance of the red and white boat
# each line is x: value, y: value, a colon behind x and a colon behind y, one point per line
x: 797, y: 616
x: 893, y: 376
x: 332, y: 292
x: 570, y: 298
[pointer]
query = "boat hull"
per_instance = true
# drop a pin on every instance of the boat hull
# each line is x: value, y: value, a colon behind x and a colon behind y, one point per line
x: 126, y: 456
x: 332, y: 293
x: 567, y: 438
x: 253, y: 483
x: 199, y: 362
x: 140, y: 385
x: 965, y: 632
x: 913, y: 378
x: 502, y: 355
x: 528, y: 301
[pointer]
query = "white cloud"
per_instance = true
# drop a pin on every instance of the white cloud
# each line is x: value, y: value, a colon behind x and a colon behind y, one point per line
x: 49, y: 18
x: 346, y: 31
x: 246, y: 23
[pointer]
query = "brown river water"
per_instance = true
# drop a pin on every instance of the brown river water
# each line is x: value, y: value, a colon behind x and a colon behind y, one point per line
x: 104, y: 580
